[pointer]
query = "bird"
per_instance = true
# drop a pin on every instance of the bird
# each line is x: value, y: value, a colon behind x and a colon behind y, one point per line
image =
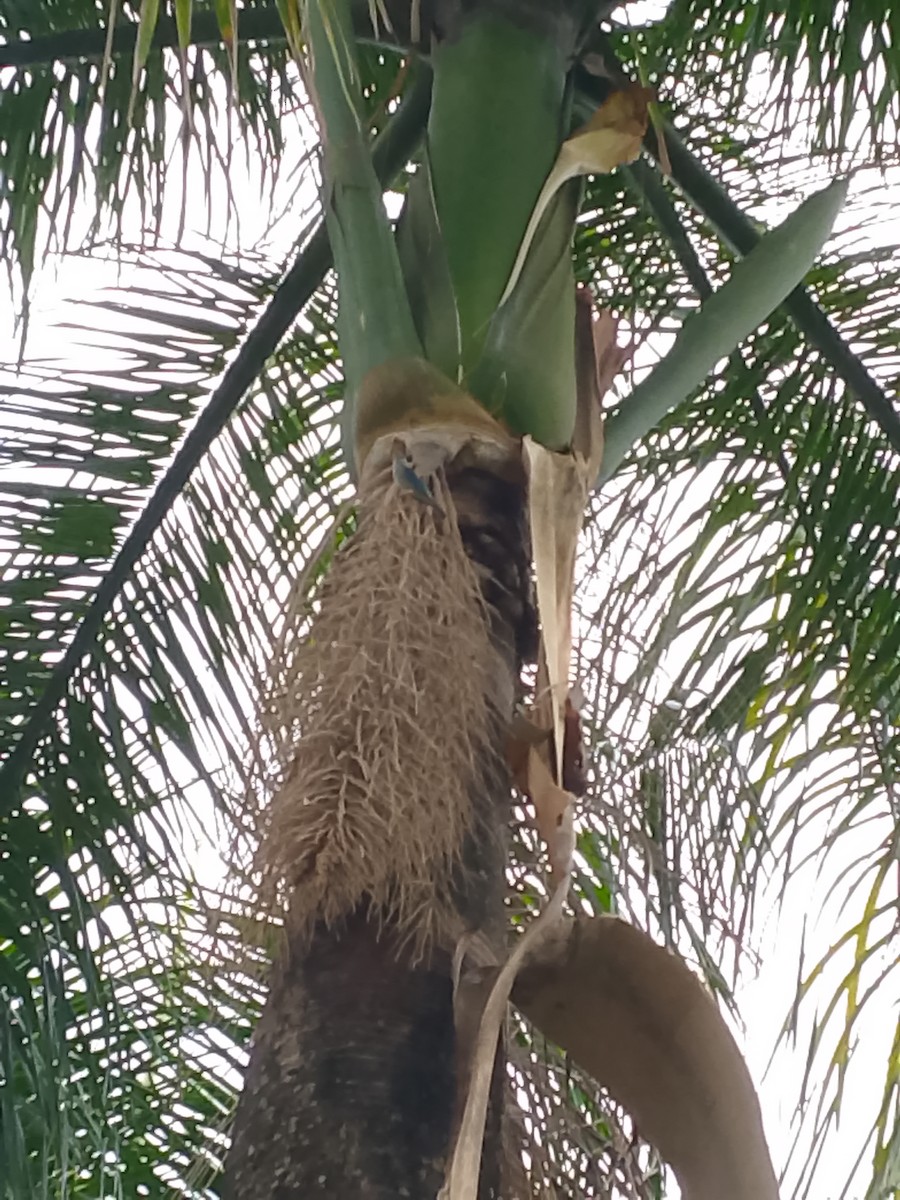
x: 408, y: 479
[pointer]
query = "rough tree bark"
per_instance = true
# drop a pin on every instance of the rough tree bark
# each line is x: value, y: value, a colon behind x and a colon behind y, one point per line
x: 351, y: 1089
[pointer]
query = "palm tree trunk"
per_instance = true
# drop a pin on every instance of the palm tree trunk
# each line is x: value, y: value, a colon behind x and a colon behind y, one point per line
x: 351, y: 1090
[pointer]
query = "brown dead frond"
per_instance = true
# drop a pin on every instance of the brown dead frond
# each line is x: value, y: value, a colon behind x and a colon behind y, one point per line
x: 379, y: 713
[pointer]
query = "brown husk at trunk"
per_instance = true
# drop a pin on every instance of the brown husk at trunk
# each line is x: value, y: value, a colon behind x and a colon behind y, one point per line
x: 379, y: 708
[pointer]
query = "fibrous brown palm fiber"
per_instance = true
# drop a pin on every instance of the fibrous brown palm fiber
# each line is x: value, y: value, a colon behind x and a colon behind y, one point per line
x: 379, y: 712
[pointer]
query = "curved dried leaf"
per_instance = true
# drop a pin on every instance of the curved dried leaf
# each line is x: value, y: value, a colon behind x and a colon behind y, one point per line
x: 642, y: 1024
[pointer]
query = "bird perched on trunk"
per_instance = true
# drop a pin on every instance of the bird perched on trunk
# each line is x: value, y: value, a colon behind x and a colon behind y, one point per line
x: 408, y: 478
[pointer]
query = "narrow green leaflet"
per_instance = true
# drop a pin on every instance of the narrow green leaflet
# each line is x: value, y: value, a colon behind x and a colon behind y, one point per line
x: 849, y: 61
x: 183, y: 11
x: 227, y: 18
x: 146, y: 29
x: 289, y: 11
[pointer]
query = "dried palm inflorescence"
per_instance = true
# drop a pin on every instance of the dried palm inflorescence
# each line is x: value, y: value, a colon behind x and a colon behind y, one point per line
x: 379, y: 714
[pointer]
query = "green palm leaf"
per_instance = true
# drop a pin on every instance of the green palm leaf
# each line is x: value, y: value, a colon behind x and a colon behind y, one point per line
x: 118, y: 800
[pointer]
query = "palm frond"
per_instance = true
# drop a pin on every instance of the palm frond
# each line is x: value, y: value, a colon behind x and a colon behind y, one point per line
x: 390, y: 153
x: 93, y: 452
x: 125, y: 790
x: 123, y: 156
x: 716, y: 204
x: 66, y: 150
x: 833, y: 69
x: 739, y: 644
x: 141, y: 652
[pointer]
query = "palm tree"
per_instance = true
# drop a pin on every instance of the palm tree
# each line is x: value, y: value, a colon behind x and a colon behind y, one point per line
x: 279, y: 489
